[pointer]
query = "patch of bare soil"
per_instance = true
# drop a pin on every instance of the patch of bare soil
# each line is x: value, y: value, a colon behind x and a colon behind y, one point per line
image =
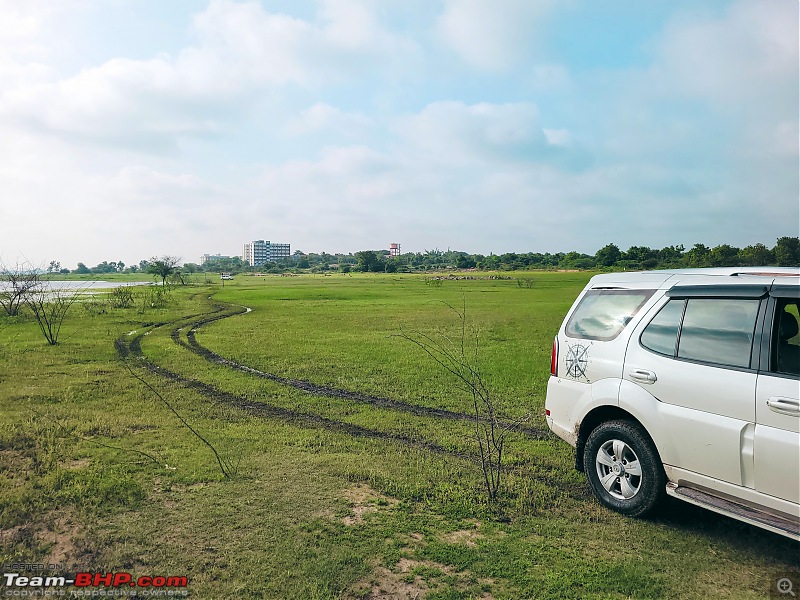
x: 61, y: 535
x: 14, y: 465
x: 402, y: 582
x: 464, y: 537
x: 388, y: 585
x: 13, y: 535
x: 365, y: 500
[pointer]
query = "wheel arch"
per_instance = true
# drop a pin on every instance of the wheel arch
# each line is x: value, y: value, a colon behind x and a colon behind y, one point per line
x: 595, y: 417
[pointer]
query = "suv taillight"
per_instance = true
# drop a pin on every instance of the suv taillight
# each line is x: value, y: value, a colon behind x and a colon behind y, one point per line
x: 554, y: 358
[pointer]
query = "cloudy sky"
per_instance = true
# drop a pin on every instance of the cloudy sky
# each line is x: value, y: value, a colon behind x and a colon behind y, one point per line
x: 132, y: 128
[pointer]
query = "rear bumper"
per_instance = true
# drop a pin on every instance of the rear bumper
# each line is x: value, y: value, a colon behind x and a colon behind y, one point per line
x: 565, y: 434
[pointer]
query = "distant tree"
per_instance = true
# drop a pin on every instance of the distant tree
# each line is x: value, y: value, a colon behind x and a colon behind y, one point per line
x: 724, y: 256
x: 369, y: 261
x: 608, y: 255
x: 391, y: 265
x: 465, y: 261
x: 490, y: 263
x: 642, y: 256
x: 583, y: 263
x: 105, y: 267
x: 787, y: 252
x: 163, y: 267
x: 82, y: 269
x: 756, y: 255
x: 671, y: 256
x: 698, y: 256
x: 54, y: 266
x: 576, y: 260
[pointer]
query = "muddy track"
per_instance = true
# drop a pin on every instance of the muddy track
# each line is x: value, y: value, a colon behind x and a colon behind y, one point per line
x: 132, y: 348
x: 321, y: 390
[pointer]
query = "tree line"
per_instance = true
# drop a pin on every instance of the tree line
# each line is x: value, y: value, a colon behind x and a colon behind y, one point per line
x: 785, y: 252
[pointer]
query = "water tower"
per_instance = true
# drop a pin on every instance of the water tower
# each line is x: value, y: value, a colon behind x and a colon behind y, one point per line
x: 394, y: 249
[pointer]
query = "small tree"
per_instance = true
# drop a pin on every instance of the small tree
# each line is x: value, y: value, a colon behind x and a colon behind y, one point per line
x: 15, y: 285
x: 49, y: 308
x: 460, y: 359
x: 163, y: 267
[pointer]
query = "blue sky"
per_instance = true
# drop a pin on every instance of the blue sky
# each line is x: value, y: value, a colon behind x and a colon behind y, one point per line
x: 138, y: 128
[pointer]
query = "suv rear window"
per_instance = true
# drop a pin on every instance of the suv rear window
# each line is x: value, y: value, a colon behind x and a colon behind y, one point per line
x: 603, y: 314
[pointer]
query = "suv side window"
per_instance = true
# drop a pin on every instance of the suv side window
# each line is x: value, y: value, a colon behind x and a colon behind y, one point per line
x: 712, y: 330
x: 661, y: 335
x: 603, y: 314
x: 718, y: 330
x: 786, y: 340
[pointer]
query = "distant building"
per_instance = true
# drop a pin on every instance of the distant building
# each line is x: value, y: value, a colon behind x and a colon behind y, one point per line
x: 258, y: 252
x: 394, y: 249
x: 207, y: 257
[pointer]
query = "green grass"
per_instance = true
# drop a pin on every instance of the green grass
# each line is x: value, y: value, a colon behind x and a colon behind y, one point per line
x: 316, y: 509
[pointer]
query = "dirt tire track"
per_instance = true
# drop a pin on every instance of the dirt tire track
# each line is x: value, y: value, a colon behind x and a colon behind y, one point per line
x: 321, y: 390
x: 132, y: 348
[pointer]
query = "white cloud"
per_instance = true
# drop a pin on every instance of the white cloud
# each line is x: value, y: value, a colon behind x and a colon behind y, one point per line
x: 491, y: 34
x: 746, y: 59
x: 241, y: 49
x: 324, y: 117
x: 454, y: 131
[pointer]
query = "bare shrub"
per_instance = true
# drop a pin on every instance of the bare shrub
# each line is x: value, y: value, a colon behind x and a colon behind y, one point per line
x: 15, y: 284
x: 525, y: 282
x: 460, y: 358
x: 49, y: 308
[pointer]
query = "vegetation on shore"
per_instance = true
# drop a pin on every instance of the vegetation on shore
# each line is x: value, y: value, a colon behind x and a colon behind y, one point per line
x: 785, y: 252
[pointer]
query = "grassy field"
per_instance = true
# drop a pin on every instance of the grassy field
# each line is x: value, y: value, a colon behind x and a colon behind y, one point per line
x: 349, y: 460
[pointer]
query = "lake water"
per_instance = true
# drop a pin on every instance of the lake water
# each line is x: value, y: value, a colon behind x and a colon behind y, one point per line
x: 80, y: 286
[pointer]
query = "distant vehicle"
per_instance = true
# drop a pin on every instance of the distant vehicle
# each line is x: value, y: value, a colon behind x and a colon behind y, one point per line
x: 226, y: 276
x: 685, y: 383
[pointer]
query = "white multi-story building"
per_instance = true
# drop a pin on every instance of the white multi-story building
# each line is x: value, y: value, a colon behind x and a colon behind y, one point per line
x: 258, y: 252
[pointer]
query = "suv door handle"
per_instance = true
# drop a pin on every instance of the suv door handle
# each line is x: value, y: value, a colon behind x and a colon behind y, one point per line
x: 785, y: 406
x: 643, y: 375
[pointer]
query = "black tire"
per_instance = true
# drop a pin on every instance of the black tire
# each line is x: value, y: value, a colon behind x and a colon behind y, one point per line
x: 634, y: 491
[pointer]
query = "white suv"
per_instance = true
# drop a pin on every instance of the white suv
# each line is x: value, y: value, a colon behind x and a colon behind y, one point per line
x: 685, y: 382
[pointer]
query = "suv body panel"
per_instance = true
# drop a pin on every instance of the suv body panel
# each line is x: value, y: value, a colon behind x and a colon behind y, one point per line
x: 728, y: 430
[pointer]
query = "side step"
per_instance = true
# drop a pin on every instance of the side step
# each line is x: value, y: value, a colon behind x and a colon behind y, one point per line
x: 784, y: 526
